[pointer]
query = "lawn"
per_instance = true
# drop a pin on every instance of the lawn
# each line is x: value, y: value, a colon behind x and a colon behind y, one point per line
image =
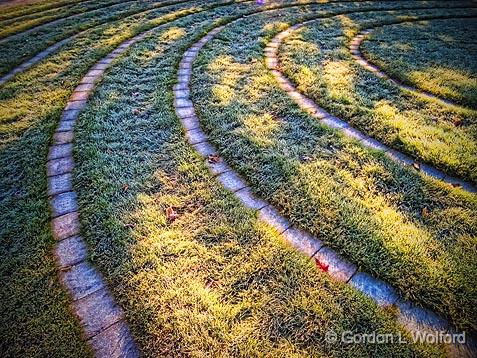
x: 217, y: 281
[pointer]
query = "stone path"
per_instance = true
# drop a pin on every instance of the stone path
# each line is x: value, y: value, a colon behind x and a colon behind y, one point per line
x: 49, y: 50
x: 361, y: 60
x: 329, y: 120
x: 411, y: 316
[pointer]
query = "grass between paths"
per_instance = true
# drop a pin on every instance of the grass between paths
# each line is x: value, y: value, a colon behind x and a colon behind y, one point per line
x: 36, y: 320
x: 437, y: 56
x: 215, y: 282
x: 414, y: 232
x: 318, y: 60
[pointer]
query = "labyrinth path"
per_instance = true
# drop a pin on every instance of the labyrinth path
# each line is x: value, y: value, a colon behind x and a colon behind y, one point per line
x: 237, y: 178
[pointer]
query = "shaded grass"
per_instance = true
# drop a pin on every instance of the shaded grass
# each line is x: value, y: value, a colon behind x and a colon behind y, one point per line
x: 414, y: 232
x: 215, y: 282
x: 436, y: 56
x: 441, y: 135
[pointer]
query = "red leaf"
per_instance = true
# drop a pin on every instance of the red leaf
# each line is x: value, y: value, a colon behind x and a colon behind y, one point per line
x: 321, y: 265
x: 416, y: 166
x: 213, y: 158
x: 171, y: 215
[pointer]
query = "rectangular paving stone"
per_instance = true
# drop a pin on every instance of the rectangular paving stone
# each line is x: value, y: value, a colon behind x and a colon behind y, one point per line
x: 65, y: 226
x: 63, y: 137
x: 81, y: 280
x: 190, y: 123
x: 274, y: 219
x: 180, y: 87
x: 249, y: 200
x: 70, y: 251
x: 204, y: 149
x: 399, y: 157
x: 334, y: 122
x: 231, y: 181
x: 75, y: 105
x: 97, y: 312
x: 378, y: 290
x: 302, y: 241
x: 353, y: 133
x: 100, y: 66
x: 184, y: 72
x: 65, y: 126
x: 182, y: 103
x: 183, y: 78
x: 181, y: 93
x: 185, y: 112
x: 88, y: 80
x: 460, y: 183
x: 374, y: 144
x: 431, y: 171
x: 79, y: 96
x: 218, y: 168
x: 59, y: 166
x: 63, y: 203
x: 338, y: 268
x: 69, y: 115
x: 195, y: 136
x: 414, y: 317
x: 60, y: 150
x: 59, y: 184
x: 86, y: 87
x: 114, y: 342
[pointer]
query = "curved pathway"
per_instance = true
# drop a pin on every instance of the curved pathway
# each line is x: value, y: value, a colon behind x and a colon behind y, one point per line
x: 49, y: 50
x: 361, y: 60
x: 329, y: 120
x: 412, y: 317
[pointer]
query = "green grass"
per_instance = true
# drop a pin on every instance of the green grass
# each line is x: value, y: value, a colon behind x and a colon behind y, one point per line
x: 436, y: 56
x: 317, y: 59
x: 215, y: 282
x: 417, y: 233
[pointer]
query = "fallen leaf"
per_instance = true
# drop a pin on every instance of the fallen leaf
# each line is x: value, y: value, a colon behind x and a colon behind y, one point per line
x: 213, y: 158
x: 456, y: 185
x: 321, y: 265
x: 416, y: 166
x: 171, y: 215
x: 135, y: 111
x: 125, y: 187
x: 424, y: 212
x: 457, y: 122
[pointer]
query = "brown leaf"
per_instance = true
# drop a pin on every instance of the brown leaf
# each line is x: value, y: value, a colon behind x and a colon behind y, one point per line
x: 125, y: 187
x: 416, y: 166
x: 456, y: 185
x: 171, y: 215
x: 213, y: 158
x: 135, y: 111
x: 457, y: 122
x: 424, y: 212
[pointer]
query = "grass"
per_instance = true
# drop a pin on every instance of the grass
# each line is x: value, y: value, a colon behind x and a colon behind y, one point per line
x: 436, y: 56
x: 409, y: 230
x: 440, y: 135
x: 215, y: 282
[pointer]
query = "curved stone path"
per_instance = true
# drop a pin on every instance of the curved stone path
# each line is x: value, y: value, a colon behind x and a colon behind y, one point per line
x: 329, y: 120
x: 412, y: 317
x: 354, y: 46
x: 49, y: 50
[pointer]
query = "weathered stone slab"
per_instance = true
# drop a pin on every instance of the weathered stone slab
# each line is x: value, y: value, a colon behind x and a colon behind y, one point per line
x: 378, y: 290
x: 60, y: 150
x: 249, y: 200
x: 81, y: 280
x: 114, y: 342
x: 65, y: 226
x: 338, y: 268
x: 269, y: 215
x: 374, y: 144
x: 59, y: 184
x: 196, y: 136
x: 231, y: 181
x: 70, y: 251
x: 97, y: 312
x: 75, y: 105
x: 66, y: 126
x: 63, y: 203
x: 59, y: 166
x: 63, y: 137
x: 302, y: 241
x: 190, y: 123
x: 79, y: 96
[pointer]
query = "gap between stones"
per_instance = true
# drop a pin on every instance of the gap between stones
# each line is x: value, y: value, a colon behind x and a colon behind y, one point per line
x: 412, y: 317
x: 329, y: 120
x: 359, y: 58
